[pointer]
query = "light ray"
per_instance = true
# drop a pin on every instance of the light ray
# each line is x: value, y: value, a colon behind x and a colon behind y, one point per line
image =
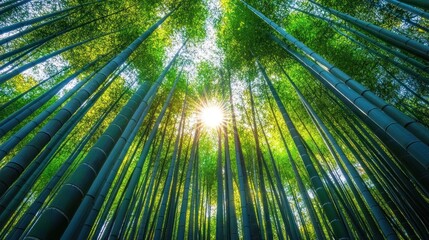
x: 211, y: 114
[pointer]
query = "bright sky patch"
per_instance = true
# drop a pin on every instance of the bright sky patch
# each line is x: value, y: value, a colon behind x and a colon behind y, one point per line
x: 211, y: 115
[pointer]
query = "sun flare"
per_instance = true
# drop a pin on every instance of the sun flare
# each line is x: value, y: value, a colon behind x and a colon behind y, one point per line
x: 211, y: 115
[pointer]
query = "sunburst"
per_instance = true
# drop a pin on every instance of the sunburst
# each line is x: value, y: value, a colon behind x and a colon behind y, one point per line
x: 211, y: 114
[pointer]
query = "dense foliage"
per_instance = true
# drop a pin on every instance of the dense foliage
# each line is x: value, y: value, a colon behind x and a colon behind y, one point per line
x: 324, y: 133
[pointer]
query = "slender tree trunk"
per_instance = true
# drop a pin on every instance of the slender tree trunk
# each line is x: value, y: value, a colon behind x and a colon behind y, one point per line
x: 173, y: 203
x: 390, y: 37
x: 168, y: 190
x: 39, y: 19
x: 21, y: 187
x: 418, y: 3
x: 410, y: 8
x: 31, y: 90
x: 13, y: 6
x: 13, y: 169
x: 9, y: 144
x: 251, y: 230
x: 220, y: 208
x: 19, y: 70
x: 340, y: 230
x: 260, y: 159
x: 377, y: 212
x: 232, y: 218
x: 41, y: 198
x: 42, y: 41
x: 118, y: 221
x: 408, y: 123
x: 288, y: 218
x: 150, y: 195
x: 386, y: 128
x: 18, y: 116
x: 184, y: 205
x: 31, y: 29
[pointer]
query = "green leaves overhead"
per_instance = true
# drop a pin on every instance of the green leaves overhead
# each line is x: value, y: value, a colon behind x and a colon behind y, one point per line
x: 258, y: 119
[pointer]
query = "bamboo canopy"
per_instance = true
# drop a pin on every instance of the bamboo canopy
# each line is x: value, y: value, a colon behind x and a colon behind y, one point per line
x: 214, y: 119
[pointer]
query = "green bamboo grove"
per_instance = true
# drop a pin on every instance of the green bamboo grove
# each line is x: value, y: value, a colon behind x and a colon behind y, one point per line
x: 214, y: 119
